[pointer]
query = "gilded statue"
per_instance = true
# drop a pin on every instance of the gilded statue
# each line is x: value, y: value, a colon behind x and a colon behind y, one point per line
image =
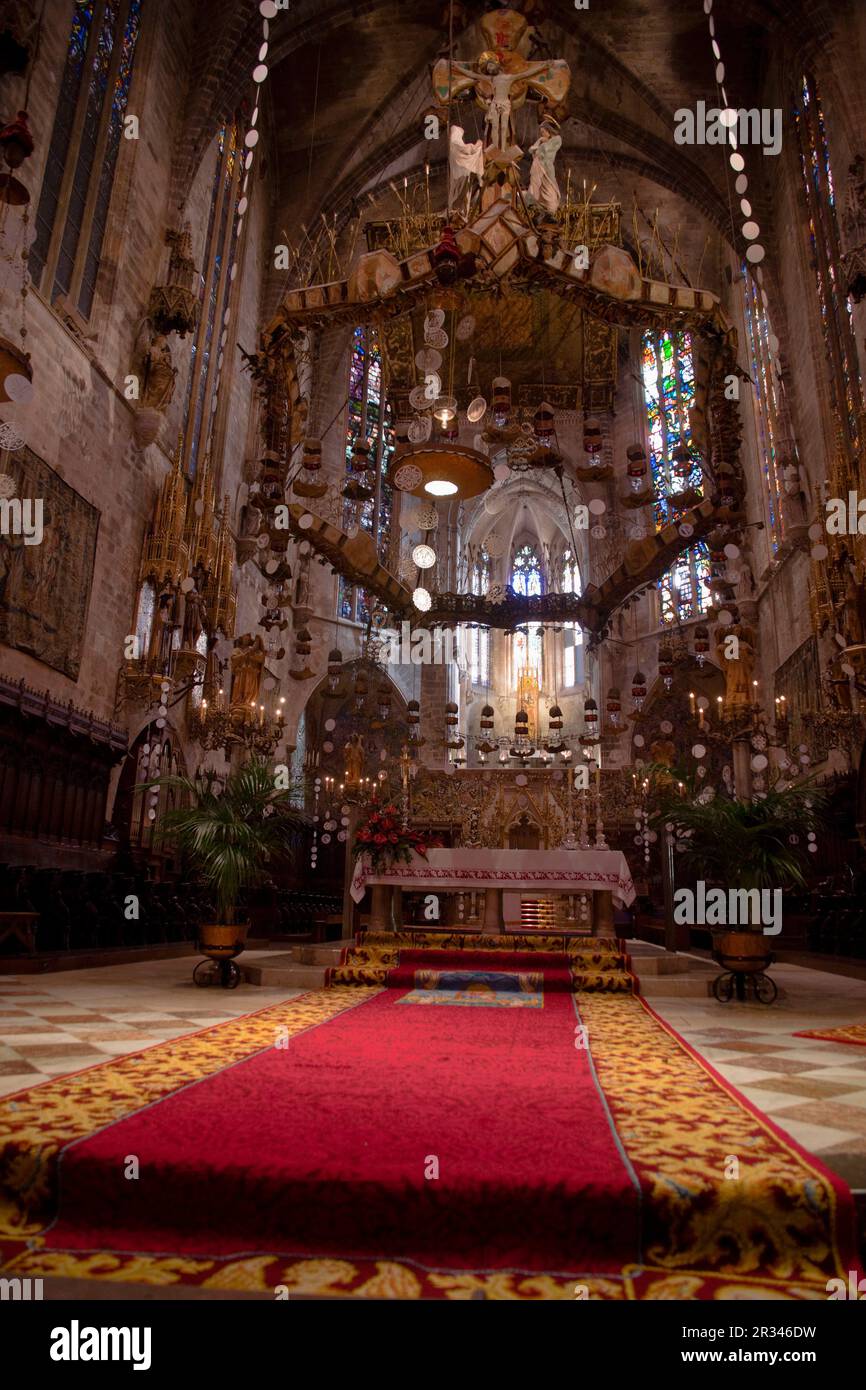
x: 354, y: 751
x: 162, y: 631
x: 247, y: 667
x: 739, y: 669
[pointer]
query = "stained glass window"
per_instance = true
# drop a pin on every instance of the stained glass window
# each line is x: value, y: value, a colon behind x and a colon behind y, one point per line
x: 684, y: 591
x: 214, y: 280
x: 82, y: 155
x: 572, y: 633
x: 669, y: 389
x: 526, y: 571
x: 766, y: 402
x: 527, y: 642
x: 833, y: 303
x: 479, y: 637
x: 120, y: 96
x: 61, y: 135
x: 368, y: 418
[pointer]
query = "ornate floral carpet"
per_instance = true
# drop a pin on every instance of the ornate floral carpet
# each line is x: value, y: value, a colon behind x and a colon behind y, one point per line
x: 547, y: 963
x: 854, y: 1033
x: 349, y: 1143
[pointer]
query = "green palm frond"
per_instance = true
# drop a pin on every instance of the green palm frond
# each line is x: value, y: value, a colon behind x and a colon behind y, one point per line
x: 742, y: 843
x: 230, y: 832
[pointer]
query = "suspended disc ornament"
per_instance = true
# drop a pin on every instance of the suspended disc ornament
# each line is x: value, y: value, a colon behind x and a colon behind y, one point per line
x: 476, y: 410
x: 494, y: 545
x: 426, y: 517
x: 433, y: 319
x: 465, y: 328
x: 436, y: 338
x: 428, y: 360
x: 407, y: 477
x: 418, y: 397
x: 420, y: 429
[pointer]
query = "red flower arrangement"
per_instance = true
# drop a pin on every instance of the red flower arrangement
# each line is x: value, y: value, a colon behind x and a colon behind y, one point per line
x: 385, y: 841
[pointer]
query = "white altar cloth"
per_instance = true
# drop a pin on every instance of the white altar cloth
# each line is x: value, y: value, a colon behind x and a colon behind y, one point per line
x: 551, y: 871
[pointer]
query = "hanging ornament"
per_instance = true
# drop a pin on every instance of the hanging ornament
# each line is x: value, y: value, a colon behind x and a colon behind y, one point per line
x: 426, y: 517
x: 335, y: 669
x: 590, y: 718
x: 682, y: 460
x: 702, y: 643
x: 613, y: 705
x: 465, y: 328
x: 383, y: 702
x: 592, y: 437
x: 360, y: 691
x: 420, y: 429
x: 433, y: 319
x: 413, y: 719
x: 16, y: 145
x: 666, y: 665
x: 428, y: 360
x: 543, y: 423
x: 308, y: 483
x: 637, y: 464
x: 638, y: 689
x: 555, y: 719
x: 476, y: 410
x: 420, y: 398
x: 501, y: 400
x: 407, y: 477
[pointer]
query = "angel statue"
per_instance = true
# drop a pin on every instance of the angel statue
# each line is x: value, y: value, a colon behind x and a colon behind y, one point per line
x: 543, y: 188
x: 465, y: 158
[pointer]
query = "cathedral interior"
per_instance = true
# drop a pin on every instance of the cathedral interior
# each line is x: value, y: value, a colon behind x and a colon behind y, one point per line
x: 445, y: 422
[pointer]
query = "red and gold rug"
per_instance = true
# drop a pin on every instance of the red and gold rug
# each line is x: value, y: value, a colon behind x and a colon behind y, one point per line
x: 854, y: 1033
x: 350, y: 1143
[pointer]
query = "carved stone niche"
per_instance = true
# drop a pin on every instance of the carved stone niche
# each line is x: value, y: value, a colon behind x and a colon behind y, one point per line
x: 173, y: 307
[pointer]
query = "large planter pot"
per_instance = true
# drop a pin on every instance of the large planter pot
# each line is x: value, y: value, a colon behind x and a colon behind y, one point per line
x: 222, y: 941
x: 744, y: 952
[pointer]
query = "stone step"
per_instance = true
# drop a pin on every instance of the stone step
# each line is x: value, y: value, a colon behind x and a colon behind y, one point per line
x: 675, y: 986
x: 284, y: 974
x: 319, y: 955
x: 666, y: 965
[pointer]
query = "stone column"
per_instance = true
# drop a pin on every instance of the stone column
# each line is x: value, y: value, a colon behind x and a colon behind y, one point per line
x: 380, y: 907
x: 603, y: 914
x: 492, y: 912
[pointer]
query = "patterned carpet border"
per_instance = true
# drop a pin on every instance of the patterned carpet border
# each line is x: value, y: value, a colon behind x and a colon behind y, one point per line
x: 781, y: 1229
x: 852, y: 1033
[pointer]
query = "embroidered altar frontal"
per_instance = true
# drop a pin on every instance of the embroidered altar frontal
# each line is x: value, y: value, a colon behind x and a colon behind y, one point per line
x: 580, y: 1144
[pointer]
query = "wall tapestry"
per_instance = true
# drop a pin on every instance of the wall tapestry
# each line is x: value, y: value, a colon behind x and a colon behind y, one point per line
x: 45, y: 587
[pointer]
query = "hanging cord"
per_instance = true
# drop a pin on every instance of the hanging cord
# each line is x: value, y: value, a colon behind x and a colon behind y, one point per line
x: 450, y: 100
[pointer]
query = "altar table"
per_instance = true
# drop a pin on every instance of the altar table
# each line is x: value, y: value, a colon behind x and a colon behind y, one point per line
x: 569, y: 871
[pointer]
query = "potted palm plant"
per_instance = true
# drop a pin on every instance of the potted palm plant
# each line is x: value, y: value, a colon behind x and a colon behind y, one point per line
x: 230, y: 832
x: 743, y: 845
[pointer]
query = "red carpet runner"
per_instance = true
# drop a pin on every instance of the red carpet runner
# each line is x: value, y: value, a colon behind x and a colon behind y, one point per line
x: 321, y: 1148
x: 388, y: 1149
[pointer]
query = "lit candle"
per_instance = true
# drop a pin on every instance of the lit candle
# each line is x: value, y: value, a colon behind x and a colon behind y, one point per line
x: 203, y: 711
x: 692, y: 701
x: 719, y: 703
